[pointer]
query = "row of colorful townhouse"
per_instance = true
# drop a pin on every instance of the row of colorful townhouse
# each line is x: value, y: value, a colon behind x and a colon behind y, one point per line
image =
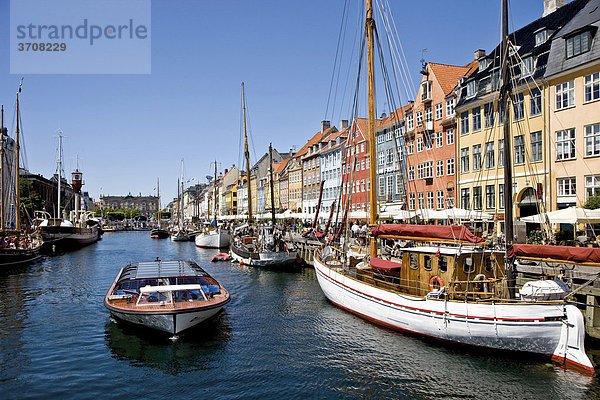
x: 445, y: 148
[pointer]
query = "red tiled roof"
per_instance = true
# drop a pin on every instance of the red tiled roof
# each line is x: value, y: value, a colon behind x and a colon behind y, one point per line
x: 448, y: 75
x: 314, y: 140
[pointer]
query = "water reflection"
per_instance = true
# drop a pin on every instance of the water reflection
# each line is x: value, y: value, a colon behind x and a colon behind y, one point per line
x: 196, y: 349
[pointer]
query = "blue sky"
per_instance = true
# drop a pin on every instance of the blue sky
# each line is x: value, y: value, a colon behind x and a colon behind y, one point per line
x: 129, y: 130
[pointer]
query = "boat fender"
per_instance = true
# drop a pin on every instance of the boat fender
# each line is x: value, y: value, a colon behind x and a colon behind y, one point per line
x: 484, y: 285
x: 435, y: 280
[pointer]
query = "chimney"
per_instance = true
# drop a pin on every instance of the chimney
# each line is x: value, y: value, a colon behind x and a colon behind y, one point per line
x: 343, y: 124
x: 479, y: 53
x: 325, y: 125
x: 552, y: 5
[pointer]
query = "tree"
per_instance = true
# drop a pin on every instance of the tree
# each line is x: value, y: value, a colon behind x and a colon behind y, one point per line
x: 593, y: 202
x: 30, y: 199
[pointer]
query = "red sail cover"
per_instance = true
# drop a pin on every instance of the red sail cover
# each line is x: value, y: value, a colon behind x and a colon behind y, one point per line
x: 567, y: 253
x: 451, y: 232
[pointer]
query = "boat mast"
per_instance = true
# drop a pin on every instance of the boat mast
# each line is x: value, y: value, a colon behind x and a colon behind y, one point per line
x: 369, y: 28
x: 17, y: 189
x: 178, y: 205
x: 181, y: 222
x: 215, y: 193
x: 505, y: 92
x: 3, y: 200
x: 271, y: 181
x: 59, y: 169
x: 247, y: 155
x: 158, y: 200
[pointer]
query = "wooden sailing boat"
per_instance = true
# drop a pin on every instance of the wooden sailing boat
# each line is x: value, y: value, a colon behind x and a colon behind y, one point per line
x: 158, y: 232
x: 179, y: 234
x: 453, y: 287
x: 214, y: 237
x: 17, y: 247
x: 269, y: 247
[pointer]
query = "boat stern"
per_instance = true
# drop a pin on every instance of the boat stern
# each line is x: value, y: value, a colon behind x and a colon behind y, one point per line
x: 570, y: 350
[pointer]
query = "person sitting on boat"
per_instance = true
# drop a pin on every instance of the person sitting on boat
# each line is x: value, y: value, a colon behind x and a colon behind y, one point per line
x: 582, y: 237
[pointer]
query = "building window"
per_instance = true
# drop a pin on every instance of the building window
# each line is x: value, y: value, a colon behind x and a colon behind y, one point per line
x: 501, y: 152
x: 464, y: 123
x: 592, y: 140
x: 490, y: 197
x: 419, y: 144
x: 430, y: 200
x: 536, y: 146
x: 439, y: 168
x: 465, y: 198
x: 450, y: 166
x: 476, y: 119
x: 578, y: 44
x: 450, y: 136
x: 535, y: 100
x: 464, y: 160
x: 428, y: 141
x: 566, y: 187
x: 439, y: 139
x: 477, y: 198
x: 450, y: 107
x: 541, y: 37
x: 526, y: 67
x: 410, y: 147
x: 421, y: 200
x: 388, y: 136
x: 519, y: 149
x: 390, y: 156
x: 476, y: 157
x: 428, y: 114
x: 501, y: 195
x: 490, y: 157
x: 411, y: 201
x: 428, y: 169
x: 519, y: 106
x: 440, y: 199
x: 362, y: 185
x: 471, y: 86
x: 439, y: 111
x: 488, y: 114
x: 592, y: 87
x: 381, y: 158
x: 411, y: 173
x: 426, y: 91
x: 565, y: 144
x: 565, y: 95
x: 419, y: 118
x: 410, y: 122
x: 500, y: 112
x: 390, y: 184
x: 381, y: 186
x: 592, y: 186
x: 450, y: 202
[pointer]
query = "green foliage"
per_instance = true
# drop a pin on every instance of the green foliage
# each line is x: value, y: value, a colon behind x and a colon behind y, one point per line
x: 163, y: 215
x: 593, y: 203
x: 30, y: 199
x: 535, y: 237
x: 117, y: 214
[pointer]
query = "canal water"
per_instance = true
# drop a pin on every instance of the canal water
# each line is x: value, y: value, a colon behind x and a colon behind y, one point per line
x: 278, y: 338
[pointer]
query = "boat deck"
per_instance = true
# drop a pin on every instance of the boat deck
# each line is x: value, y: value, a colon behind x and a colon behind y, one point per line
x: 124, y: 305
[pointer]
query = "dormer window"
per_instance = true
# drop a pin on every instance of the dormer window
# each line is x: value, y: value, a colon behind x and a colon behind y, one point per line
x: 483, y: 64
x: 471, y: 89
x: 578, y: 44
x: 426, y: 91
x: 541, y: 37
x: 527, y: 66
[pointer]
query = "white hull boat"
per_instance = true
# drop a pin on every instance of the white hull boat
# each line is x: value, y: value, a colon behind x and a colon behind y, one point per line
x: 213, y: 239
x: 554, y: 329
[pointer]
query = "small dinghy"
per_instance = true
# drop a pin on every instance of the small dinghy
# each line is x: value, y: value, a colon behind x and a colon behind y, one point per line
x: 221, y: 257
x: 170, y: 296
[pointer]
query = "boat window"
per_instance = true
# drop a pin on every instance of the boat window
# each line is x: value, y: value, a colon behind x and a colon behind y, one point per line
x: 489, y: 264
x: 195, y: 295
x: 183, y: 296
x: 414, y: 263
x: 154, y: 298
x: 427, y: 262
x: 443, y: 264
x: 468, y: 265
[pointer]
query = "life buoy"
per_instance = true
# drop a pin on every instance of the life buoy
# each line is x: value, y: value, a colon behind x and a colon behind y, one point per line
x: 435, y: 280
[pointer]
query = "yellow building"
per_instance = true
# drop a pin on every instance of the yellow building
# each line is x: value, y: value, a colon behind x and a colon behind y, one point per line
x: 253, y: 188
x: 573, y: 75
x: 295, y: 186
x: 480, y: 144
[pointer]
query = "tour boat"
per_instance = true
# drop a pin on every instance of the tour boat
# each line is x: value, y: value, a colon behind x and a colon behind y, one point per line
x: 451, y: 285
x: 169, y: 296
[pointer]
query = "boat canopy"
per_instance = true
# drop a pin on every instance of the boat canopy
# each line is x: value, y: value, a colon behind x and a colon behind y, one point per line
x: 384, y: 264
x: 169, y: 288
x: 447, y: 232
x: 565, y: 253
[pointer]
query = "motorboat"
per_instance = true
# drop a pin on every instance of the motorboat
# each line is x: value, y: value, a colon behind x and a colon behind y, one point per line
x: 169, y: 296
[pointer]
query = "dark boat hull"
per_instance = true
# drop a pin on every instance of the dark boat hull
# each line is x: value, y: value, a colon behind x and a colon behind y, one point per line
x: 159, y: 234
x: 67, y: 237
x: 16, y: 257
